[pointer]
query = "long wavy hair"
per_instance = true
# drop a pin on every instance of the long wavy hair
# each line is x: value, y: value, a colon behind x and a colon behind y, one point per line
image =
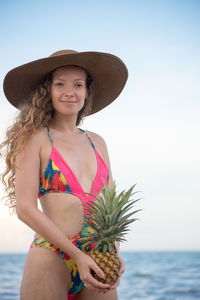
x: 34, y: 114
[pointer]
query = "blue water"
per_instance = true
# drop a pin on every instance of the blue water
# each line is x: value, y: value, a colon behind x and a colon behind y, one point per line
x: 148, y: 276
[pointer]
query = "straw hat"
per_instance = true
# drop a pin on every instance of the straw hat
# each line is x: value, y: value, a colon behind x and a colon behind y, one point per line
x: 108, y: 72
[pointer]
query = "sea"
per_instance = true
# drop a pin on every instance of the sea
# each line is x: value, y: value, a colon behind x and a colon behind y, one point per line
x: 149, y: 275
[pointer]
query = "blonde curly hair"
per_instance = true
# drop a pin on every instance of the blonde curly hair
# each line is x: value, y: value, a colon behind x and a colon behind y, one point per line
x: 34, y: 114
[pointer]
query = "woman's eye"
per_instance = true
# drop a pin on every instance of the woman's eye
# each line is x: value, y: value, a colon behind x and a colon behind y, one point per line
x: 78, y: 85
x: 59, y: 84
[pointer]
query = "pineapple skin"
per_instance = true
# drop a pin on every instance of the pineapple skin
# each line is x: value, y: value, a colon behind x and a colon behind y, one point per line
x: 109, y: 264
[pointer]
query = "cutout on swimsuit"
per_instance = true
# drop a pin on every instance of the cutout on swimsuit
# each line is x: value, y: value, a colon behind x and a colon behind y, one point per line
x: 58, y: 176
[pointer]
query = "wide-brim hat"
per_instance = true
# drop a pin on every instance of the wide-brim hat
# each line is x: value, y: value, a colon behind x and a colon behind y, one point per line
x: 108, y: 72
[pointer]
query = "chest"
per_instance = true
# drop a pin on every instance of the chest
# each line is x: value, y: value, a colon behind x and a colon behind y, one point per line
x: 78, y: 155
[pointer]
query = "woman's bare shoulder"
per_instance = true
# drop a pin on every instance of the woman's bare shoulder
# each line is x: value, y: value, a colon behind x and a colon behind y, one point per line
x: 38, y: 137
x: 95, y: 136
x: 98, y: 141
x: 32, y: 148
x: 33, y: 144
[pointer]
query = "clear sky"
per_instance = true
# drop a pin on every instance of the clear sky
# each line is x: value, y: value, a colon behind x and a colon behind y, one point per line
x: 152, y: 129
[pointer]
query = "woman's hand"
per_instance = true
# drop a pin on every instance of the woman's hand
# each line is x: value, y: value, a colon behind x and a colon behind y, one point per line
x: 121, y: 271
x: 85, y: 265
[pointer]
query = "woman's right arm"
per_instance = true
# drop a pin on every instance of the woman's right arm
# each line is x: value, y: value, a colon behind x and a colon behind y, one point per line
x: 26, y: 189
x: 27, y: 174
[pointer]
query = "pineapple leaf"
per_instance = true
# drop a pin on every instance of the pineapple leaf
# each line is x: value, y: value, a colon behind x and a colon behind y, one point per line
x: 105, y: 248
x: 110, y: 215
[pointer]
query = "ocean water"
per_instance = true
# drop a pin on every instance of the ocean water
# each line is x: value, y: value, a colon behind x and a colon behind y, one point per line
x: 148, y: 276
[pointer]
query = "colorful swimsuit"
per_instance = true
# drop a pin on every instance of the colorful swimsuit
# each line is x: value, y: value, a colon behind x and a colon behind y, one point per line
x: 58, y: 177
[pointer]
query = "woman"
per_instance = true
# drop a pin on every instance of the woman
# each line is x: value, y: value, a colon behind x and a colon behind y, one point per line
x: 50, y: 158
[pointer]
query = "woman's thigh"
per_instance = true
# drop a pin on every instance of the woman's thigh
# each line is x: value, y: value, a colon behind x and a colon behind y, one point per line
x: 46, y: 276
x: 87, y: 294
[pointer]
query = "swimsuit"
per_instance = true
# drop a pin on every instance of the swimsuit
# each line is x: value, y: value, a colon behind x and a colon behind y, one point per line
x: 58, y: 177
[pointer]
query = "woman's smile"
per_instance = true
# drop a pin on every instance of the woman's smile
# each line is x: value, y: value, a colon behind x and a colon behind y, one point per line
x: 68, y: 101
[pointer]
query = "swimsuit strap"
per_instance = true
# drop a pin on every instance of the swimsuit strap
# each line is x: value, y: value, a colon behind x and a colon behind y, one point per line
x: 49, y: 133
x: 50, y: 137
x: 88, y: 137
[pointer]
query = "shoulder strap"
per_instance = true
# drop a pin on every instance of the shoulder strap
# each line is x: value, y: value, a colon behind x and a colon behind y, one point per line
x: 49, y: 133
x: 50, y: 137
x: 88, y: 137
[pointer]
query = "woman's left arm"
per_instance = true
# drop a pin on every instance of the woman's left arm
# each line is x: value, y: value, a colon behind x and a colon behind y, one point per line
x: 102, y: 148
x: 100, y: 144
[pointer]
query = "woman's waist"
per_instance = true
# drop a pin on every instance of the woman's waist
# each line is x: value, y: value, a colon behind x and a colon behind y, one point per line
x: 73, y: 228
x: 64, y: 205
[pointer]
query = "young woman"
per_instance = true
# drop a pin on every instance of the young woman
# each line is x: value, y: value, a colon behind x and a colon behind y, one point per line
x: 50, y: 158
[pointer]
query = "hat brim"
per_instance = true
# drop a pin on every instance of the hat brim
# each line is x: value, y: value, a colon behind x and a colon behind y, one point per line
x: 108, y: 72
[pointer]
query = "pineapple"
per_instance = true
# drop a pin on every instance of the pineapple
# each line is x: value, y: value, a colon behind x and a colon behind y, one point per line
x: 110, y: 217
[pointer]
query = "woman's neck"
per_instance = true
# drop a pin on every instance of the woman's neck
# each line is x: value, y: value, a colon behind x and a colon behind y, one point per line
x: 64, y: 123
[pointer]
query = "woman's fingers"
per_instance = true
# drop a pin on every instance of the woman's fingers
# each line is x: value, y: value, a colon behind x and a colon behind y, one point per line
x: 120, y: 272
x: 96, y: 287
x: 85, y: 265
x: 115, y: 285
x: 98, y: 270
x: 104, y: 287
x: 92, y: 282
x: 122, y: 266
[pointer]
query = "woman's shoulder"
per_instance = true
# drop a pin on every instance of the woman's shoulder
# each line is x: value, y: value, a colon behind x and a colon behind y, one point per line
x: 38, y: 137
x: 96, y: 137
x: 32, y: 146
x: 97, y: 140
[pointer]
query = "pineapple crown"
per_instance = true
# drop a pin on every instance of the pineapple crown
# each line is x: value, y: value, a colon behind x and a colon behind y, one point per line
x: 110, y: 216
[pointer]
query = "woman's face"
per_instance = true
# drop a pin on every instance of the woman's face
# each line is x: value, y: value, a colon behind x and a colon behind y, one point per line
x: 68, y: 89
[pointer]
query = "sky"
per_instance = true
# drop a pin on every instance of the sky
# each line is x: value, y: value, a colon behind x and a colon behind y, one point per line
x: 151, y: 130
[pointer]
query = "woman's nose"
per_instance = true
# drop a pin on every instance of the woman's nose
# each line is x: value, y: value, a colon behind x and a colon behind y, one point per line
x: 68, y: 91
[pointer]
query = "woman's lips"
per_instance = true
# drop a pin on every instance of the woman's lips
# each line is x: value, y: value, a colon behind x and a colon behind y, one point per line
x: 68, y: 102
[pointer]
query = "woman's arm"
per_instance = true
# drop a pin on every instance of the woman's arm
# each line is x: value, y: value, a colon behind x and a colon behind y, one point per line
x: 26, y: 190
x: 102, y: 148
x: 27, y: 174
